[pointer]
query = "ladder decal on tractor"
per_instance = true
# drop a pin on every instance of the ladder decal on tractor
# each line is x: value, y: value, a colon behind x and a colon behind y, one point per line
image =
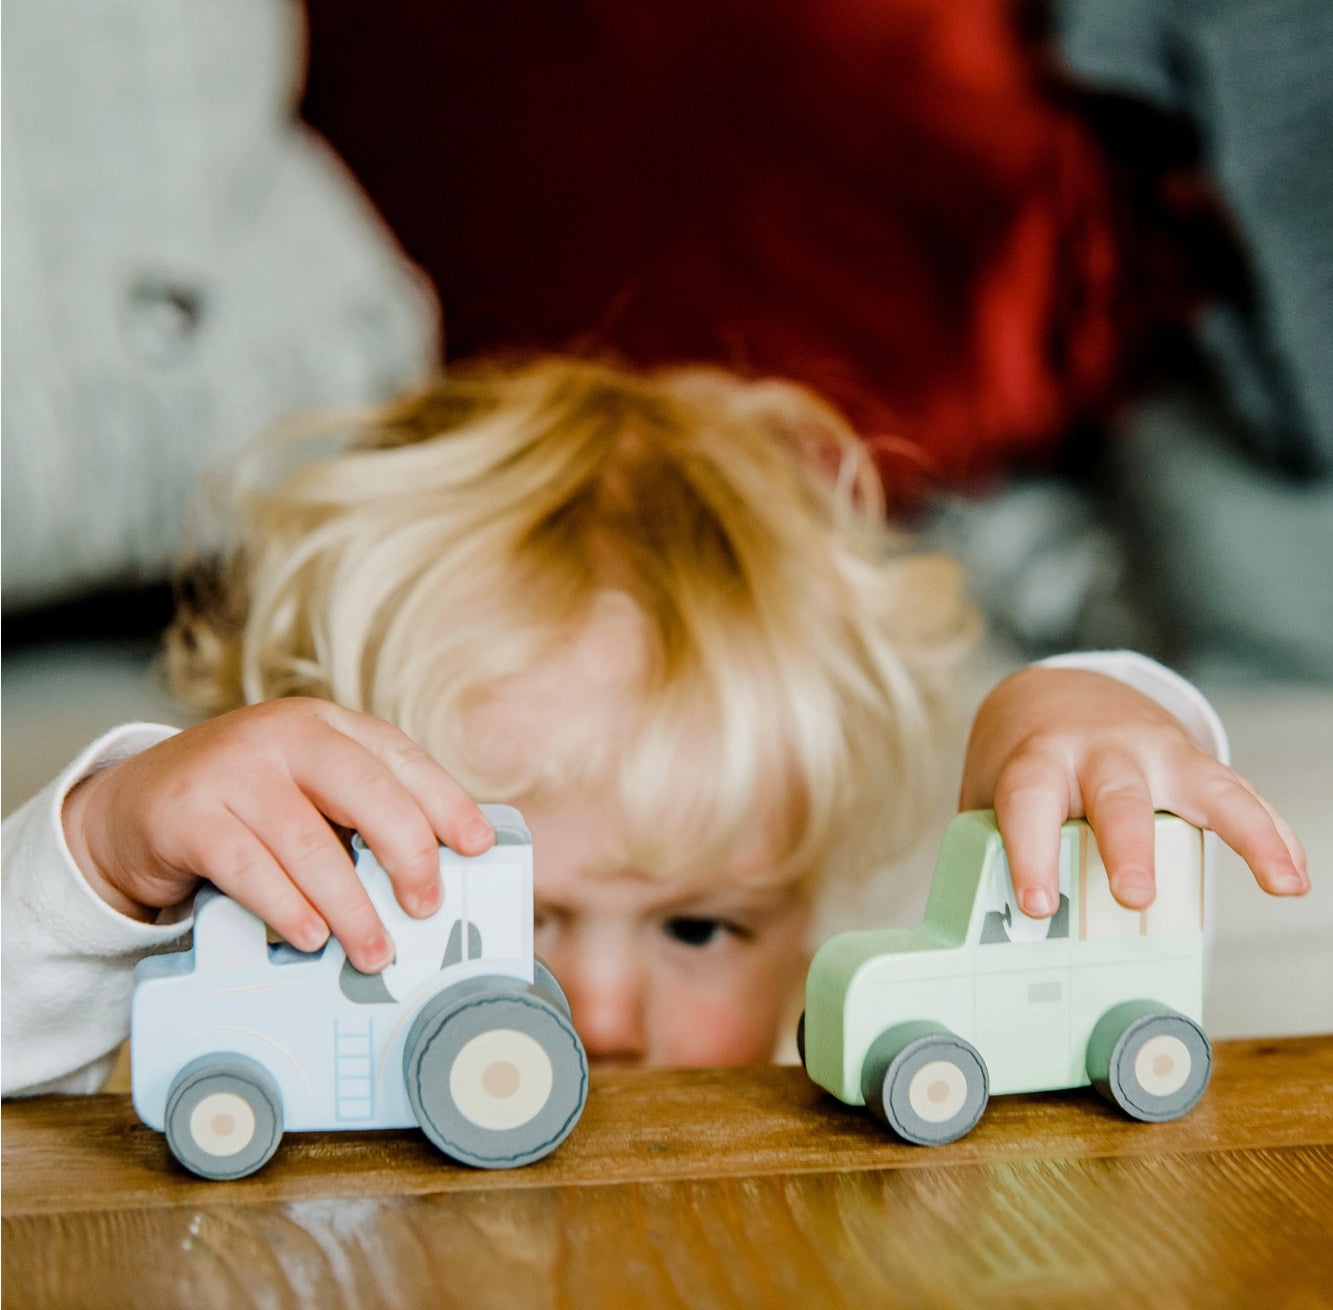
x: 354, y: 1087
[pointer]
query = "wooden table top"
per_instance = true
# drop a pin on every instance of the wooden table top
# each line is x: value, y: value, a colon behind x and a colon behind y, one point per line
x: 741, y: 1187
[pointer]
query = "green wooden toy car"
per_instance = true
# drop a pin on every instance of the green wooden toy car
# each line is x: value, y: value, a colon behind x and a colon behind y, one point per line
x: 922, y: 1025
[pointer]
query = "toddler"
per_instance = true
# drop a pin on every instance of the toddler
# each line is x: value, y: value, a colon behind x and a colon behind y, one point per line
x: 663, y: 615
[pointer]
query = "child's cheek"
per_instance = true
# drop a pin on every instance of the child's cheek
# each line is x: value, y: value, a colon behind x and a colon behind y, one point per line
x: 696, y: 1029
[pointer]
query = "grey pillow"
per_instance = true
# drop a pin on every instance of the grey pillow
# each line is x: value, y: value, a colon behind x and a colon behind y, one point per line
x: 185, y: 263
x: 1254, y: 81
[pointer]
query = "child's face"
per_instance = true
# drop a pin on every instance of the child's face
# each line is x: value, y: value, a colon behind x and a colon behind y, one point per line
x: 667, y: 973
x: 663, y: 973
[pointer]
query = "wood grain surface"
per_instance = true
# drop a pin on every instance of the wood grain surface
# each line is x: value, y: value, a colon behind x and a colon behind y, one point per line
x: 743, y: 1187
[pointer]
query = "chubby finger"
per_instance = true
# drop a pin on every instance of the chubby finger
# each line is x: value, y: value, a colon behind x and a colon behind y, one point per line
x: 1215, y: 798
x: 336, y: 892
x: 355, y: 788
x: 1119, y: 807
x: 1031, y: 803
x: 453, y: 815
x: 234, y: 859
x: 1288, y: 834
x: 308, y: 852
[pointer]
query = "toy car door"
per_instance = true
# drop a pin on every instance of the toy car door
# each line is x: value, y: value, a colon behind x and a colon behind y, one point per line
x: 1022, y: 981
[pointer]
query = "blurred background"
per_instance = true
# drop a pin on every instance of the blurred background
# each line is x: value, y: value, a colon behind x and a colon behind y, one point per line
x: 1068, y: 267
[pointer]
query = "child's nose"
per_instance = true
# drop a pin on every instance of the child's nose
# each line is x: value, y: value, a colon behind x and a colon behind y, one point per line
x: 606, y: 997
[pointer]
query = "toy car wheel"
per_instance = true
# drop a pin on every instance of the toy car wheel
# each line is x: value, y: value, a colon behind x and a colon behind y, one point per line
x: 224, y: 1116
x: 497, y: 1078
x: 1149, y: 1060
x: 800, y: 1038
x: 924, y: 1082
x: 545, y: 981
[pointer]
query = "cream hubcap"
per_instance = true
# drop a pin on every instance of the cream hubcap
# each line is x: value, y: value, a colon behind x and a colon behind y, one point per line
x: 1162, y: 1065
x: 938, y: 1091
x: 222, y: 1124
x: 501, y: 1079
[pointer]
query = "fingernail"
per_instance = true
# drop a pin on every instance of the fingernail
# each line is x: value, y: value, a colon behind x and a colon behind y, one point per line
x: 1037, y: 903
x: 1292, y: 882
x: 478, y: 831
x: 1132, y: 890
x: 313, y: 937
x: 380, y: 954
x: 429, y: 901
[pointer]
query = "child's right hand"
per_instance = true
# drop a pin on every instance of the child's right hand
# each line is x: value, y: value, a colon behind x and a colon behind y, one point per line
x: 245, y: 801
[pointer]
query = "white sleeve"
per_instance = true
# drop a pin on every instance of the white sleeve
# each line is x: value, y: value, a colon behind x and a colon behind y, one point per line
x: 68, y: 958
x: 1189, y: 705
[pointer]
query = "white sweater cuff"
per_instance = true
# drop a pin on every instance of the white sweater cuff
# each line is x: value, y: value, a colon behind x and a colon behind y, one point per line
x: 53, y: 885
x: 67, y: 956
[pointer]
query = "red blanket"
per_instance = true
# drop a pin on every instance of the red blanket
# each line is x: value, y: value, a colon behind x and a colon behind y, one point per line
x: 874, y: 196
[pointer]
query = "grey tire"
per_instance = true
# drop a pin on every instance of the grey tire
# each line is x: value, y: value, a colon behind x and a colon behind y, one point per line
x: 925, y: 1082
x: 497, y: 1077
x: 546, y: 981
x: 1151, y: 1061
x: 224, y: 1116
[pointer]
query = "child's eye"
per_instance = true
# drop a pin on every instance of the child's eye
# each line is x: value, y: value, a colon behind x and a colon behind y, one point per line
x: 692, y: 931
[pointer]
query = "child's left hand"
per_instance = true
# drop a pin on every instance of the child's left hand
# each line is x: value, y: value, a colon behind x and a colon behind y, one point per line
x: 1052, y: 744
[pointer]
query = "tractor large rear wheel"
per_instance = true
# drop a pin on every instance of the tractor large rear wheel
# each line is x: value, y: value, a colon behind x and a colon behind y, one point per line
x: 497, y: 1078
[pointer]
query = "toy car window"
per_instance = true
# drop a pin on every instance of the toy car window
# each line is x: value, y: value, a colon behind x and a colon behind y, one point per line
x: 285, y: 953
x: 1003, y: 921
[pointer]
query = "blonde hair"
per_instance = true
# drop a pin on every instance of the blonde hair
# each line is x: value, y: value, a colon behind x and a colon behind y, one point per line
x: 463, y: 535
